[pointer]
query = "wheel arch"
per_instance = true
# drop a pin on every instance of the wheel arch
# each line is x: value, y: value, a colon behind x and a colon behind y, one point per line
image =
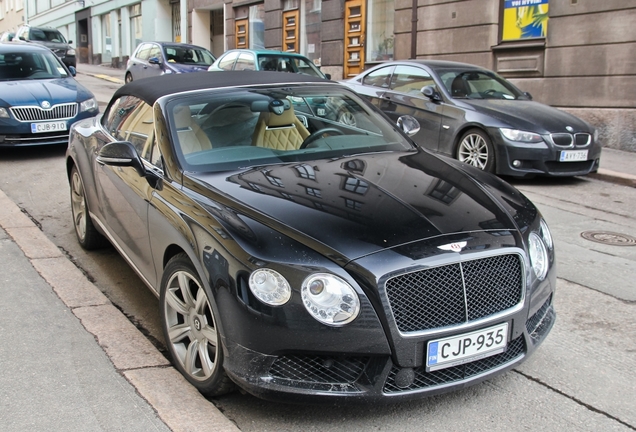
x: 465, y: 128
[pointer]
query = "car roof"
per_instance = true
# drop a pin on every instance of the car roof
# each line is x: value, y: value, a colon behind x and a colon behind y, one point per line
x: 164, y: 43
x: 20, y: 46
x: 153, y: 88
x: 433, y: 63
x: 268, y: 52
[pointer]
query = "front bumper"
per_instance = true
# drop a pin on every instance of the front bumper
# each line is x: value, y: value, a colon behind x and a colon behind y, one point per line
x: 540, y: 158
x: 302, y: 378
x: 18, y: 134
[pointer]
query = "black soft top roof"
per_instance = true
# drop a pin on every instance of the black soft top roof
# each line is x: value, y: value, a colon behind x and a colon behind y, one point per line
x: 151, y: 89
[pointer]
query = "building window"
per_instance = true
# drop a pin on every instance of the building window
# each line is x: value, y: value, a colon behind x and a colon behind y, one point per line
x: 257, y: 26
x: 353, y: 204
x: 135, y: 25
x: 313, y: 192
x: 524, y: 19
x: 275, y: 181
x: 306, y: 171
x: 355, y: 185
x: 380, y: 24
x: 310, y: 36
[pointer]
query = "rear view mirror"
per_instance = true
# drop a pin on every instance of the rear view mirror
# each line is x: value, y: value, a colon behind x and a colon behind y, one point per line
x: 430, y: 92
x: 121, y: 153
x: 408, y: 124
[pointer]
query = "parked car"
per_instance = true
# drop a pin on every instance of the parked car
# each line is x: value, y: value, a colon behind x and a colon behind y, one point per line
x: 7, y: 36
x: 266, y: 60
x: 480, y: 118
x: 50, y: 38
x: 159, y: 58
x: 39, y: 98
x: 304, y: 259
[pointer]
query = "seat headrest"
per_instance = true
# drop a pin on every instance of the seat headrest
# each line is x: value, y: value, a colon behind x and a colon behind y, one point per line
x: 287, y: 118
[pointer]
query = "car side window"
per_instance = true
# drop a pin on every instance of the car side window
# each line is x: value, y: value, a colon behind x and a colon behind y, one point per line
x: 227, y: 62
x: 410, y: 80
x: 379, y: 78
x: 245, y: 62
x: 144, y: 51
x: 155, y: 52
x: 117, y: 115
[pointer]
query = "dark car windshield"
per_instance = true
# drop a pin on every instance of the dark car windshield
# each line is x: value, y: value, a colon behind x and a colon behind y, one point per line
x: 188, y: 55
x: 30, y: 65
x: 226, y: 130
x: 46, y: 35
x: 283, y: 63
x: 478, y: 84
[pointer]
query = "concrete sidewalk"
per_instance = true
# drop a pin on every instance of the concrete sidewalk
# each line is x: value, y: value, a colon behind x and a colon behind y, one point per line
x: 72, y: 361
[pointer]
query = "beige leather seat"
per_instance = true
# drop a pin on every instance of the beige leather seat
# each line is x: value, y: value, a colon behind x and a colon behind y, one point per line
x: 279, y: 132
x: 191, y: 137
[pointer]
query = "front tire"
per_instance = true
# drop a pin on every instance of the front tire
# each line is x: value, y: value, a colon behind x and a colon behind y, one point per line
x: 475, y: 148
x: 87, y: 235
x: 128, y: 77
x: 190, y: 328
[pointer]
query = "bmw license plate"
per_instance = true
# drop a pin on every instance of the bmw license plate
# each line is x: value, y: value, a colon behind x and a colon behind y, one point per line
x: 53, y: 126
x: 573, y: 156
x: 467, y: 347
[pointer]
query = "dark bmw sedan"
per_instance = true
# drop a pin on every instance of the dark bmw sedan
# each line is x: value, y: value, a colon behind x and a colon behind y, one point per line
x: 39, y: 98
x: 304, y: 259
x: 480, y: 118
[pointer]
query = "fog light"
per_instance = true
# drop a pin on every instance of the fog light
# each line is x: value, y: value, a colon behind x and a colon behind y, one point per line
x: 516, y: 163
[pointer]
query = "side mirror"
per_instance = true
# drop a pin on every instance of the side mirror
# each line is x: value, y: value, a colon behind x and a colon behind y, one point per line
x: 528, y: 95
x: 123, y: 154
x: 72, y: 70
x: 408, y: 124
x: 154, y: 60
x: 328, y: 76
x: 430, y: 92
x: 70, y: 42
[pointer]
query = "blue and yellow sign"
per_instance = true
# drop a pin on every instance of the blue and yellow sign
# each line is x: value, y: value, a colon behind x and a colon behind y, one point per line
x: 525, y: 19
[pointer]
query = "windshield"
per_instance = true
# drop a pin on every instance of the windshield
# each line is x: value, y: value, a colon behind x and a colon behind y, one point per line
x: 226, y: 130
x: 30, y: 65
x: 46, y: 35
x: 188, y: 55
x: 478, y: 84
x: 283, y: 63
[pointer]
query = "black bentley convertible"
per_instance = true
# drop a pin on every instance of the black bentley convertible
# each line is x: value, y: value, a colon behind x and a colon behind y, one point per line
x: 306, y: 259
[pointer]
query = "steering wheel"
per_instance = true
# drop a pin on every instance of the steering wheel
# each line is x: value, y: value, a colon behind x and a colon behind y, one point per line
x: 318, y: 134
x: 490, y: 92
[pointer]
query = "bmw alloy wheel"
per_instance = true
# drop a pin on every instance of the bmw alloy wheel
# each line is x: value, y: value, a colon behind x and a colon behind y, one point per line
x: 475, y: 149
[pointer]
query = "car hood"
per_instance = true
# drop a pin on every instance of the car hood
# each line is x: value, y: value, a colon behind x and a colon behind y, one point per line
x: 34, y: 92
x: 54, y: 46
x: 527, y: 115
x: 354, y: 206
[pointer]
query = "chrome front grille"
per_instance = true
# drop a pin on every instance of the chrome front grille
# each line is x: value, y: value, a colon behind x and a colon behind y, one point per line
x: 567, y: 140
x: 456, y: 293
x: 35, y: 113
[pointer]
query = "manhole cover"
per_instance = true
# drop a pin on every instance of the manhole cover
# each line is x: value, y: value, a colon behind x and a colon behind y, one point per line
x: 610, y: 238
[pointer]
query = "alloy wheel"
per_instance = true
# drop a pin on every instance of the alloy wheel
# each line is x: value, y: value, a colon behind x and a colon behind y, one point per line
x: 475, y: 151
x: 190, y: 326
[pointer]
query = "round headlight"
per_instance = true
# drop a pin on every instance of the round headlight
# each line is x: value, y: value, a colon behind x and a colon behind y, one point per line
x: 329, y: 299
x: 546, y: 235
x: 538, y: 255
x: 270, y: 287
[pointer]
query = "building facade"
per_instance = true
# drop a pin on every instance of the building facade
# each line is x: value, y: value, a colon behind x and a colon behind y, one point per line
x: 573, y: 54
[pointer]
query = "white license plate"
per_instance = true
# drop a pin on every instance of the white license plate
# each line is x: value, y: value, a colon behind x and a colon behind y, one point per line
x: 467, y: 347
x: 573, y: 156
x: 48, y: 127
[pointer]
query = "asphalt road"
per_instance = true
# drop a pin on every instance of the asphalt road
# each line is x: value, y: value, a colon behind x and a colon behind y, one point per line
x: 583, y: 378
